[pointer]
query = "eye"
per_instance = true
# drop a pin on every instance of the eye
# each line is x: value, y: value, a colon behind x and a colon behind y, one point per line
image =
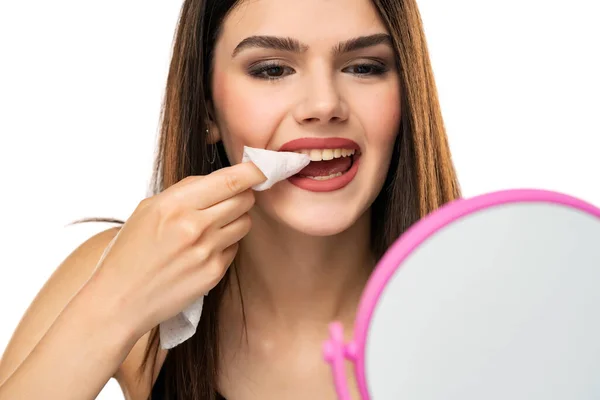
x: 366, y: 69
x: 270, y: 71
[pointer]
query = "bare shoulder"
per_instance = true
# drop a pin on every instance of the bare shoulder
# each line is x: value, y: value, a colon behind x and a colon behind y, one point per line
x: 55, y: 294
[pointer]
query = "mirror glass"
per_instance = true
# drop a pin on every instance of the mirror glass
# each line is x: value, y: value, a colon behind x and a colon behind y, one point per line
x: 503, y: 303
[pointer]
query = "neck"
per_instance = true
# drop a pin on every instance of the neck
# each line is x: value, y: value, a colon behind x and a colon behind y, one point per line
x: 289, y: 279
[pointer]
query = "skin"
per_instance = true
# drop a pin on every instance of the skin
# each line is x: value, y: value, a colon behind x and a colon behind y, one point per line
x: 307, y: 257
x: 302, y: 264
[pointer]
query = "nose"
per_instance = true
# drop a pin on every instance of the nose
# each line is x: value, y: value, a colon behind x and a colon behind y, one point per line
x: 322, y: 103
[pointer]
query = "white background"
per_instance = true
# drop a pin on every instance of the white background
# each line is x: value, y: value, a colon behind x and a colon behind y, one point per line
x: 81, y: 86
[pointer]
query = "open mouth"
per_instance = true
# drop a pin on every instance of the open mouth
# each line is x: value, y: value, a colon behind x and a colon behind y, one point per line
x: 328, y: 164
x: 334, y: 163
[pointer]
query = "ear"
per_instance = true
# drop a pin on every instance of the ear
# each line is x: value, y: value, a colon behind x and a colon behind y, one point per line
x: 212, y: 133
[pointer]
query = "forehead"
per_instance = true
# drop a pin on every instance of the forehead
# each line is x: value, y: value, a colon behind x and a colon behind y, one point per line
x: 309, y: 21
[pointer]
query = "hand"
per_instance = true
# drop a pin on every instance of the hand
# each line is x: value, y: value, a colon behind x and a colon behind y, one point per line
x: 177, y: 245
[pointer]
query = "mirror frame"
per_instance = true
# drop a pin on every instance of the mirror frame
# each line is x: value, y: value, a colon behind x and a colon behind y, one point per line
x: 336, y: 351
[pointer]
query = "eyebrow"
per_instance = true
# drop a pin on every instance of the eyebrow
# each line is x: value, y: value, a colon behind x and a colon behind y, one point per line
x: 294, y: 46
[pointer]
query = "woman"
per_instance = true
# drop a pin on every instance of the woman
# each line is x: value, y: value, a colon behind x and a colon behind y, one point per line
x: 349, y: 82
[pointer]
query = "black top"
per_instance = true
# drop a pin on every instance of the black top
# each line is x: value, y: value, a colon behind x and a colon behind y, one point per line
x: 159, y: 388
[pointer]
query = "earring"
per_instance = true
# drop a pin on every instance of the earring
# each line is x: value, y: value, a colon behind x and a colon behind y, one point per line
x: 214, y: 147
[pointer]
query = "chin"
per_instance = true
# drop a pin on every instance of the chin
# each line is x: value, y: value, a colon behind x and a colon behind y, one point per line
x: 321, y: 228
x: 314, y: 219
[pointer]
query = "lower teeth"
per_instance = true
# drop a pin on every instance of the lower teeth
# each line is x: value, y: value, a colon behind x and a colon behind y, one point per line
x: 324, y: 178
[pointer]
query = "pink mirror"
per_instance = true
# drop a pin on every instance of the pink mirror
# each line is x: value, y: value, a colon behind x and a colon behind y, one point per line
x: 493, y: 297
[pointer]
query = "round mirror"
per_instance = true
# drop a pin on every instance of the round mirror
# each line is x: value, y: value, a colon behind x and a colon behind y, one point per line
x: 495, y: 297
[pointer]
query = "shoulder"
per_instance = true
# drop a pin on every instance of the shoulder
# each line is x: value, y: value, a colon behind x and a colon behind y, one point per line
x: 65, y: 281
x: 87, y: 254
x: 134, y: 377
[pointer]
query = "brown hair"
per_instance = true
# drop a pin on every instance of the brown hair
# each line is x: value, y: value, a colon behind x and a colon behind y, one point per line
x: 420, y: 179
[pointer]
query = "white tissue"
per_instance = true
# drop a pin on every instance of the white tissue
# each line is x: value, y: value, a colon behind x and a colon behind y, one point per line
x: 276, y: 166
x: 181, y: 327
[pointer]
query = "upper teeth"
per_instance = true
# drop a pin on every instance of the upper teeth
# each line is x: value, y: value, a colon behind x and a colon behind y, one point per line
x: 326, y: 154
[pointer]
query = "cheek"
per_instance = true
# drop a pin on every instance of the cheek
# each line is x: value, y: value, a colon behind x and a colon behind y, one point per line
x: 246, y: 116
x: 380, y: 112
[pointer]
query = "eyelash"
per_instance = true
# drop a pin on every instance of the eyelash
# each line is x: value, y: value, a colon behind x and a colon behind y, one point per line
x: 257, y: 72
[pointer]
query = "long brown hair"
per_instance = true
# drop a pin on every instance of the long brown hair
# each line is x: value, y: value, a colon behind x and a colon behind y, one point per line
x: 420, y: 179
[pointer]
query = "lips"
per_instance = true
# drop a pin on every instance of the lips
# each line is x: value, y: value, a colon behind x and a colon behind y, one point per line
x: 334, y: 163
x: 319, y: 143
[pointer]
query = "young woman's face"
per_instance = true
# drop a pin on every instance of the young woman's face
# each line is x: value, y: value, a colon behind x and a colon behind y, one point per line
x: 286, y: 70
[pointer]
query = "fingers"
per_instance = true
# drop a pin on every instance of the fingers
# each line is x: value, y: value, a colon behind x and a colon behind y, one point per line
x: 222, y: 264
x: 214, y: 271
x: 232, y: 232
x: 210, y: 272
x: 228, y: 255
x: 201, y: 192
x: 229, y: 210
x: 207, y: 241
x: 211, y: 257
